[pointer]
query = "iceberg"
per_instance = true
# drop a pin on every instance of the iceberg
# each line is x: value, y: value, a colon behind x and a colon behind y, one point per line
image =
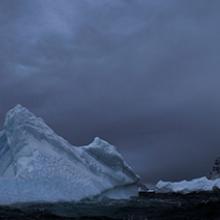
x: 38, y: 165
x: 196, y: 185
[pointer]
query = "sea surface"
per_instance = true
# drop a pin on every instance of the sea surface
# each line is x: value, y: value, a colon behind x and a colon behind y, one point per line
x: 150, y: 206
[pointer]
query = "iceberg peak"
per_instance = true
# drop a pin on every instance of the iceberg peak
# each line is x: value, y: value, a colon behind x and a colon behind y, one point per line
x: 20, y: 118
x: 18, y: 115
x: 97, y: 140
x: 20, y: 123
x: 103, y: 146
x: 18, y: 109
x: 100, y: 142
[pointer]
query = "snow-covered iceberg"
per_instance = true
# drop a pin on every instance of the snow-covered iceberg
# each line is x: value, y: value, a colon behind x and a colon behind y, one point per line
x: 195, y: 185
x: 38, y: 165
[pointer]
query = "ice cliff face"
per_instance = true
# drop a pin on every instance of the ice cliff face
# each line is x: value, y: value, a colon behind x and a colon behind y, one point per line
x: 38, y: 165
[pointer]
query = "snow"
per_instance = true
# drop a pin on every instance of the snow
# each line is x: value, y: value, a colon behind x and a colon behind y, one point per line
x: 38, y: 165
x: 195, y: 185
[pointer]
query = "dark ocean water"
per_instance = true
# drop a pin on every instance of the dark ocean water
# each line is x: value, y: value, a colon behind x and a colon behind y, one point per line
x: 194, y: 206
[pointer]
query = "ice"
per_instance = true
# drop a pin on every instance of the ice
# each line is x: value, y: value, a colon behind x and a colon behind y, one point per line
x: 38, y: 165
x: 195, y: 185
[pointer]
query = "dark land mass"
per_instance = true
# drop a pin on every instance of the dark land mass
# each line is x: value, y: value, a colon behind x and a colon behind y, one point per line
x: 149, y: 206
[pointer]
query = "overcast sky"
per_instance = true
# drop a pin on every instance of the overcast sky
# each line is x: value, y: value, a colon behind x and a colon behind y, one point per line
x: 142, y: 74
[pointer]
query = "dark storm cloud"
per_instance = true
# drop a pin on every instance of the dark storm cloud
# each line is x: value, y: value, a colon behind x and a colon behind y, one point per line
x: 142, y: 74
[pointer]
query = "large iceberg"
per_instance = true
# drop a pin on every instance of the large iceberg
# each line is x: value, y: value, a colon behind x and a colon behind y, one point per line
x: 38, y: 165
x: 196, y: 185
